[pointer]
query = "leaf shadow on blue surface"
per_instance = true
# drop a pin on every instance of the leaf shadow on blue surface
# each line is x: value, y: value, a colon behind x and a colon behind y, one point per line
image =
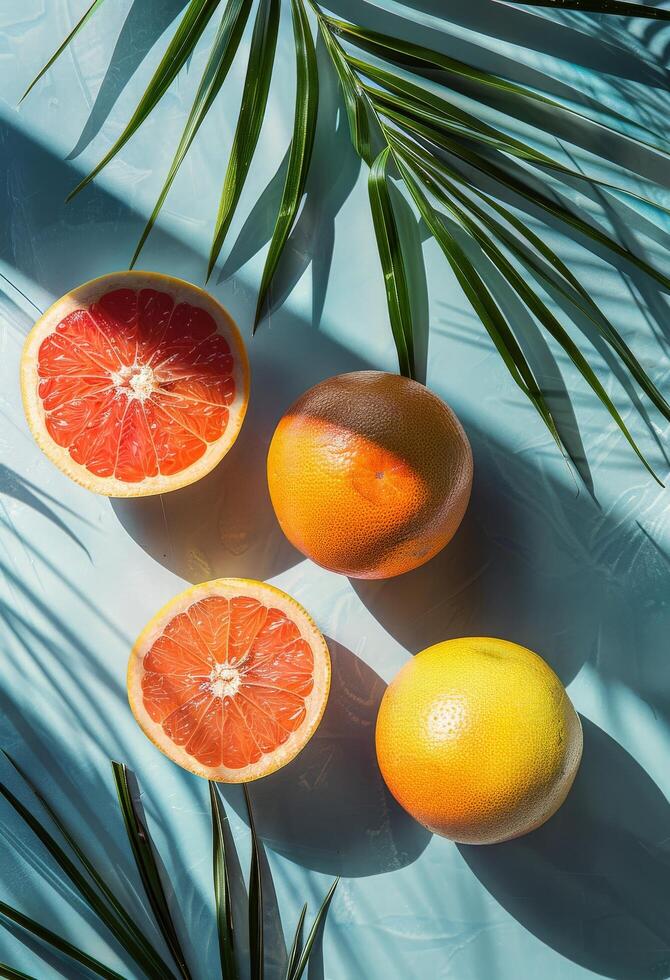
x: 16, y: 486
x: 329, y: 809
x: 592, y: 882
x: 144, y: 24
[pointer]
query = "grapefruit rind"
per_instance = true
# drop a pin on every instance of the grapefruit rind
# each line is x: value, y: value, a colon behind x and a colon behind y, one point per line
x: 84, y: 296
x: 315, y: 703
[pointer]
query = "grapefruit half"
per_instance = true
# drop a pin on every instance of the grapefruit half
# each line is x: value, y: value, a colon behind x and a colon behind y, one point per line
x: 135, y: 383
x: 230, y: 679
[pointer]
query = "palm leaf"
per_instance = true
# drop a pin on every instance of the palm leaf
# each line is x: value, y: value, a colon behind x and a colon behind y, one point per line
x: 116, y: 905
x: 417, y: 57
x: 313, y: 932
x: 296, y: 947
x: 356, y: 102
x: 393, y: 266
x: 561, y: 277
x: 300, y: 154
x: 191, y: 26
x: 533, y: 302
x: 221, y: 57
x: 143, y: 852
x: 143, y: 955
x: 256, y: 945
x: 482, y: 302
x: 58, y: 943
x: 9, y: 973
x: 224, y: 914
x: 617, y: 7
x: 71, y: 36
x: 252, y: 112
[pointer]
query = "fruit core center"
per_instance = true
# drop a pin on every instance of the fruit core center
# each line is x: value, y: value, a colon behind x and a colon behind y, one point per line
x: 136, y: 380
x: 224, y: 681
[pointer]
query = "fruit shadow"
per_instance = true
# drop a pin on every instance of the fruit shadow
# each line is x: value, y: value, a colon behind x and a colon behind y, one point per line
x: 329, y: 809
x: 592, y: 883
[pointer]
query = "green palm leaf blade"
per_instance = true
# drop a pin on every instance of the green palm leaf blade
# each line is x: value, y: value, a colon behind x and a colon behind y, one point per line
x: 118, y: 908
x: 577, y: 295
x: 191, y: 26
x: 482, y: 302
x: 296, y: 947
x: 617, y: 7
x: 9, y: 973
x: 71, y: 36
x: 143, y: 955
x: 224, y: 49
x: 143, y: 852
x: 536, y: 306
x: 256, y: 942
x: 416, y: 56
x: 413, y: 103
x: 355, y: 100
x: 313, y: 932
x: 224, y: 914
x: 536, y: 197
x: 250, y: 119
x: 393, y: 266
x: 300, y: 153
x: 58, y: 943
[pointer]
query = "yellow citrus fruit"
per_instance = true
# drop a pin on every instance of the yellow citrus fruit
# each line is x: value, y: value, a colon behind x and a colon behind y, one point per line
x: 478, y: 740
x: 135, y: 383
x: 230, y: 679
x: 369, y: 474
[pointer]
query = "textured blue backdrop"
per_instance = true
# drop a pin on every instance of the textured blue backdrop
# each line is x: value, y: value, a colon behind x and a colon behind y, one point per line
x: 583, y: 578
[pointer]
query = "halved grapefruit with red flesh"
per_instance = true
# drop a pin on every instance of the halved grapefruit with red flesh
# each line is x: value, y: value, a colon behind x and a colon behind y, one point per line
x: 135, y: 383
x: 230, y: 679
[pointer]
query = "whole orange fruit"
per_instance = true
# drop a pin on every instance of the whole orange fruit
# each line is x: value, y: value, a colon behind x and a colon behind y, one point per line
x: 369, y: 474
x: 478, y: 740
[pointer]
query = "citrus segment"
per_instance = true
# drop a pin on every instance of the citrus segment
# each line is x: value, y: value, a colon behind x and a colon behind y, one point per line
x: 135, y: 383
x: 230, y: 680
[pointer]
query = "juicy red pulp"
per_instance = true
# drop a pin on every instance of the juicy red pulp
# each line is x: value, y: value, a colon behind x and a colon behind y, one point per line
x: 135, y: 386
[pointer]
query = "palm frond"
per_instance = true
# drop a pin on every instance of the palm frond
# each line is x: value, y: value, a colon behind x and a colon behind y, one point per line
x: 313, y: 933
x: 256, y: 941
x: 300, y: 153
x: 297, y: 946
x: 145, y: 859
x: 252, y: 112
x: 224, y: 911
x: 224, y: 49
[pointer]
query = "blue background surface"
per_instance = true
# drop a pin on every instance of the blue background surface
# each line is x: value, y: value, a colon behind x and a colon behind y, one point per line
x: 580, y: 576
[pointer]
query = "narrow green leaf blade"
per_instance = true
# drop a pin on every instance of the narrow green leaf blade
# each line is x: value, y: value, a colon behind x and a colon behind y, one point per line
x: 62, y: 945
x: 483, y: 303
x: 617, y: 7
x: 256, y: 942
x: 11, y: 974
x: 355, y: 100
x: 224, y: 49
x: 415, y: 56
x: 137, y: 935
x: 250, y: 119
x: 313, y: 932
x: 71, y: 36
x: 152, y: 965
x: 300, y: 153
x: 536, y: 306
x: 296, y: 948
x: 181, y: 46
x: 224, y: 913
x: 393, y: 266
x: 143, y: 852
